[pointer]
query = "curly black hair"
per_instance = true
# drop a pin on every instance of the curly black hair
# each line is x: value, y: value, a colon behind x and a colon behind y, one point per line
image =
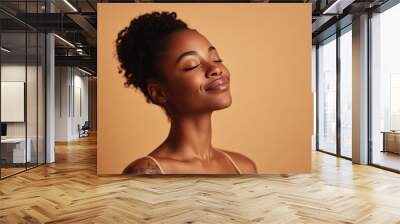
x: 139, y: 44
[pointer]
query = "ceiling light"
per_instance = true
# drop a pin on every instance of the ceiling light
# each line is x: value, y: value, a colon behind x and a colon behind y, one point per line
x: 80, y: 51
x: 84, y: 71
x: 70, y: 5
x: 64, y: 40
x: 337, y: 7
x: 5, y: 50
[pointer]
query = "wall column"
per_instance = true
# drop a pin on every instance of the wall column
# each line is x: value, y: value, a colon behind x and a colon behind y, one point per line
x: 50, y: 99
x: 360, y: 90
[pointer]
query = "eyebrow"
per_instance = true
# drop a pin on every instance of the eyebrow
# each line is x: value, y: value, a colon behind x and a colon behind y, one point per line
x: 193, y: 53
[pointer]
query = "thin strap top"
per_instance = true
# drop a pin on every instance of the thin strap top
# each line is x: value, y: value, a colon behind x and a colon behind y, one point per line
x: 232, y: 161
x: 226, y: 154
x: 157, y: 163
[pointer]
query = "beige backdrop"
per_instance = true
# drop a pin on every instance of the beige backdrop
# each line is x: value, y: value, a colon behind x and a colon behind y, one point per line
x: 266, y: 47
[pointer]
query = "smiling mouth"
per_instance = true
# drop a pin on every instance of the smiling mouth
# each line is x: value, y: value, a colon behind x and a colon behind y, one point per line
x: 220, y: 84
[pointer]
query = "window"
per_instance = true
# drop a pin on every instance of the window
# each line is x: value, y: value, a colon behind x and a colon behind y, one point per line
x: 385, y: 88
x: 346, y: 93
x: 327, y: 95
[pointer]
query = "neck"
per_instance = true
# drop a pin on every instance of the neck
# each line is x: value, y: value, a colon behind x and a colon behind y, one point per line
x: 190, y: 136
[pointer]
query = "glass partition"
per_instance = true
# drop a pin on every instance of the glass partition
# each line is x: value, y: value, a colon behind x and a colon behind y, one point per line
x: 31, y: 100
x: 13, y: 91
x: 41, y: 86
x: 22, y: 88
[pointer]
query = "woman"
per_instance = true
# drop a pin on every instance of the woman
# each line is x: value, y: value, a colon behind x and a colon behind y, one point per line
x: 178, y: 69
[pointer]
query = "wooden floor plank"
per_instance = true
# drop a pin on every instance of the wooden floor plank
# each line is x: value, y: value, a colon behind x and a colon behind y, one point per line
x: 69, y: 191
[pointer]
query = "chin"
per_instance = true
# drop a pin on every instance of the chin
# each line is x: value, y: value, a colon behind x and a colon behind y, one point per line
x: 223, y: 103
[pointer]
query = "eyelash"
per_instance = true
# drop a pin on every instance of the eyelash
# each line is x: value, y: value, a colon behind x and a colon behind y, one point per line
x: 191, y: 68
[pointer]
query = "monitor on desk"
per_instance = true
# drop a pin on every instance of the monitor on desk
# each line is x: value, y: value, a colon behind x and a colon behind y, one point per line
x: 3, y: 130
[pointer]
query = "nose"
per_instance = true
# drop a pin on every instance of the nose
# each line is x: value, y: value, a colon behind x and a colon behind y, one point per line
x: 214, y: 71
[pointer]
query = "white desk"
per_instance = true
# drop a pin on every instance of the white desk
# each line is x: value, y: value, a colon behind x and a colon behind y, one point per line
x: 17, y: 146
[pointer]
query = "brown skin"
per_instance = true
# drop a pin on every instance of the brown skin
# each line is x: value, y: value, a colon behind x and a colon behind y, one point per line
x: 188, y: 101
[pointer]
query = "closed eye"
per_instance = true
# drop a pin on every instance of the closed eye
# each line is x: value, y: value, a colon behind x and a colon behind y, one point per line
x: 191, y: 68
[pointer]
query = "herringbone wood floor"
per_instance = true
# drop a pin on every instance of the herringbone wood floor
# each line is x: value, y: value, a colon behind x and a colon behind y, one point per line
x: 70, y: 192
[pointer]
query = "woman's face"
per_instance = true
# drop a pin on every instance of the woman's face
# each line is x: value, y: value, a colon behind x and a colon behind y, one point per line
x: 196, y: 80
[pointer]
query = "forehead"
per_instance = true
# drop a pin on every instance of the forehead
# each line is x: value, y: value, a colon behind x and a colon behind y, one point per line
x: 186, y: 40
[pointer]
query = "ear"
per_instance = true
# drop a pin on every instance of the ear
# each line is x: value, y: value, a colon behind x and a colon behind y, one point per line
x: 157, y: 93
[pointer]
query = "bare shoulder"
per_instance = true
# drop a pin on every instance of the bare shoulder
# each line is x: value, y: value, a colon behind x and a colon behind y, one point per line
x: 245, y: 164
x: 142, y: 165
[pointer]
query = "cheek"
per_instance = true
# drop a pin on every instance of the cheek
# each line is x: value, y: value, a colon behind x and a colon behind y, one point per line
x: 187, y: 84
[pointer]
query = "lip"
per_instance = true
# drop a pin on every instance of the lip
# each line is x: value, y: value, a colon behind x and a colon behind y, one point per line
x: 219, y: 84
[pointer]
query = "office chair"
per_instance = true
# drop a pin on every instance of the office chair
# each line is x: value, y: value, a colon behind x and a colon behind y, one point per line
x: 84, y: 130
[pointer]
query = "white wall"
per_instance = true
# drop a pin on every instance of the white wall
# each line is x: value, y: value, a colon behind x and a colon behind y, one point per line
x: 80, y: 84
x: 71, y: 87
x: 62, y: 80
